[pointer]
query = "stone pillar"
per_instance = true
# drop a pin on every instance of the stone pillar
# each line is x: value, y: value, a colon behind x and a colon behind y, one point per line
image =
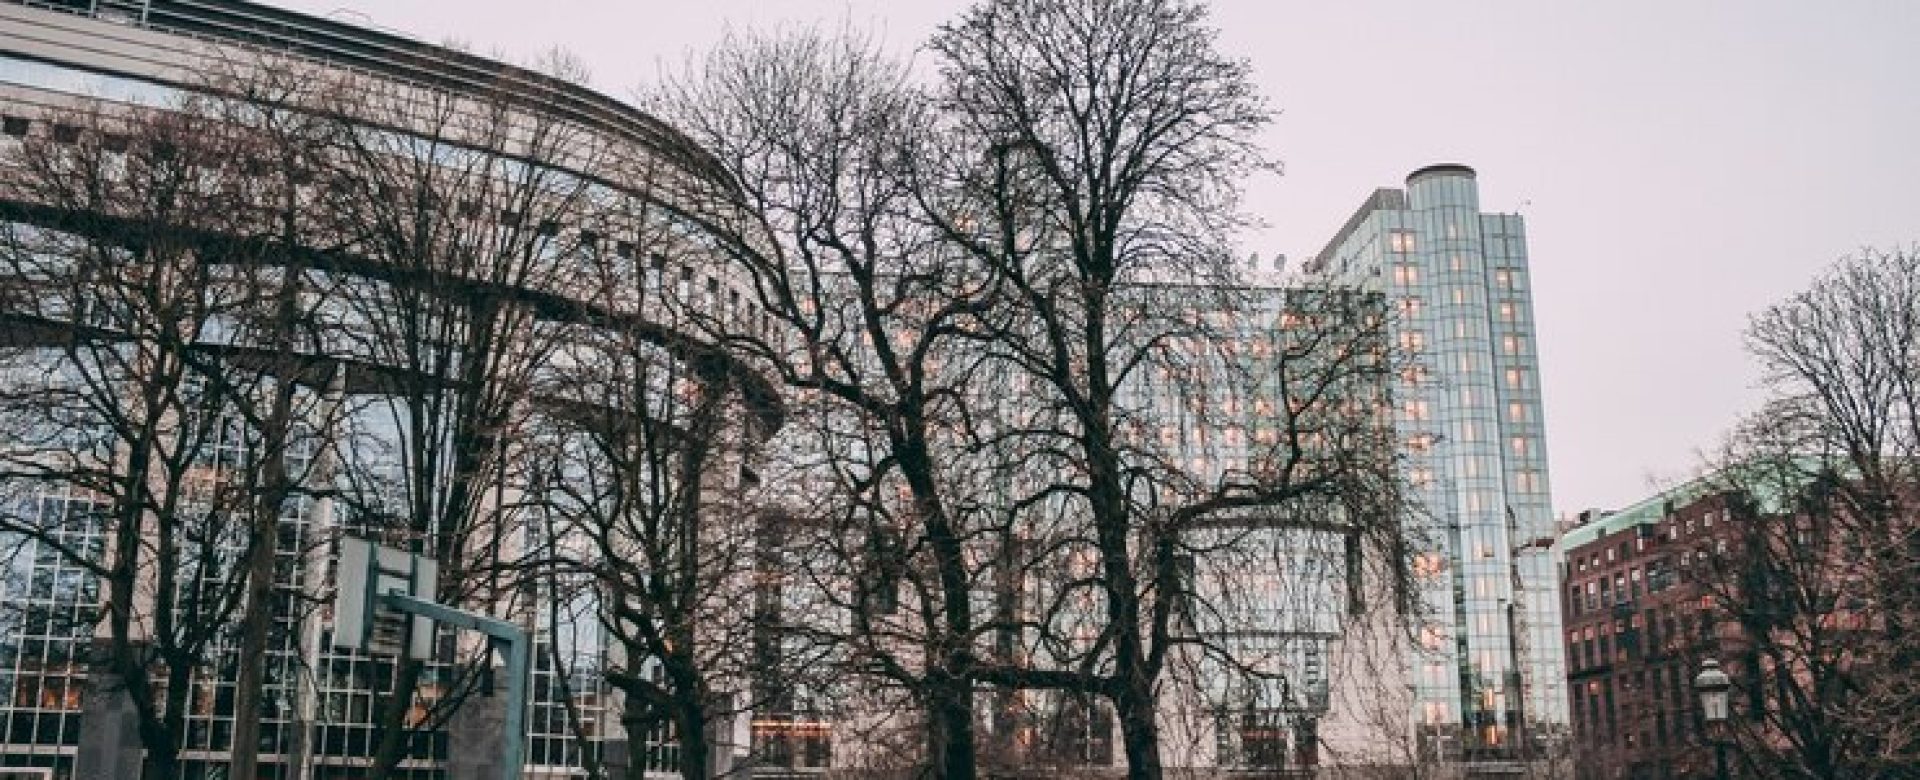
x: 109, y: 730
x: 729, y: 737
x: 474, y: 735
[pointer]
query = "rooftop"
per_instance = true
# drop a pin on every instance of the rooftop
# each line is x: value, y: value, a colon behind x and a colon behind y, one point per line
x: 390, y: 56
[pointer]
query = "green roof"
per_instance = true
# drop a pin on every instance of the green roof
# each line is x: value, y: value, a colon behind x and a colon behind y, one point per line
x: 1650, y: 510
x: 1646, y: 512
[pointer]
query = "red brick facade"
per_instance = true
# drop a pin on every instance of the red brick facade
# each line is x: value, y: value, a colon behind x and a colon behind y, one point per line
x: 1637, y: 627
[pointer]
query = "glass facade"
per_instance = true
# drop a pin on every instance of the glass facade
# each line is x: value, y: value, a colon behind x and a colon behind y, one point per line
x: 47, y: 612
x: 1488, y: 682
x: 1270, y: 596
x: 318, y: 703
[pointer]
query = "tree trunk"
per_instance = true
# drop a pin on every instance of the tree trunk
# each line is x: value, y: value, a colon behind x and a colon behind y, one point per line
x: 695, y: 760
x: 165, y: 764
x: 244, y: 764
x: 162, y: 765
x: 950, y: 727
x: 1139, y: 725
x: 392, y: 725
x: 637, y: 727
x: 950, y: 699
x: 273, y: 485
x: 258, y: 617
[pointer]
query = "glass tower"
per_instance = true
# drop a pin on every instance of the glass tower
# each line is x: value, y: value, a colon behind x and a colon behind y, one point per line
x: 1486, y: 670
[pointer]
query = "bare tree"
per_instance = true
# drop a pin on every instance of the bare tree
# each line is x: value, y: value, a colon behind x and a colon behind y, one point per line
x: 201, y: 283
x: 1816, y: 588
x: 275, y: 373
x: 867, y: 333
x: 467, y: 219
x: 1113, y: 139
x: 990, y: 303
x: 134, y: 252
x: 644, y: 486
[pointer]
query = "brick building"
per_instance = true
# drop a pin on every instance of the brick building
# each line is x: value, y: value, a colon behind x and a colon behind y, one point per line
x: 1637, y: 627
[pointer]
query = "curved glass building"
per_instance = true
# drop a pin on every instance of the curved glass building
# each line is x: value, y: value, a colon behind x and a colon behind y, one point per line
x: 438, y: 273
x: 1486, y: 675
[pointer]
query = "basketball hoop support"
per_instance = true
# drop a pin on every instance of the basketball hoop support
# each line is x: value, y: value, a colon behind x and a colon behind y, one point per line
x: 518, y: 647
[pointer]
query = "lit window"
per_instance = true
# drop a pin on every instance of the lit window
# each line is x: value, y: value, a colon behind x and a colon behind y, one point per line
x: 1406, y: 275
x: 1503, y: 279
x: 1506, y: 311
x: 1516, y: 379
x: 1457, y: 262
x: 1520, y: 446
x: 1517, y: 412
x: 1510, y: 344
x: 1412, y: 340
x: 1400, y: 241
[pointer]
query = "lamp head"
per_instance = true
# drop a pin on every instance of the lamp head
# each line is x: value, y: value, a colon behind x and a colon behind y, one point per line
x: 1713, y: 685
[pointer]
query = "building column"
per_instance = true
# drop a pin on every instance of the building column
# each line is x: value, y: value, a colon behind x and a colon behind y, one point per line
x: 474, y: 735
x: 109, y: 729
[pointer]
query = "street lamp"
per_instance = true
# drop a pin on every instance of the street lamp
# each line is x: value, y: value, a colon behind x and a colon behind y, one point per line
x: 1713, y: 686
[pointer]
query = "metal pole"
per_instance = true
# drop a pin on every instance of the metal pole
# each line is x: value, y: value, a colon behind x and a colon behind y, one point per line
x: 519, y: 653
x: 1720, y: 758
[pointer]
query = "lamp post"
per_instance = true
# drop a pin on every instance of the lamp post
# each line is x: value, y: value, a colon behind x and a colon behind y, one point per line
x: 1713, y: 685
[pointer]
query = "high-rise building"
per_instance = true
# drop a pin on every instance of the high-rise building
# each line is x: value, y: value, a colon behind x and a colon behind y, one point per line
x: 1486, y: 667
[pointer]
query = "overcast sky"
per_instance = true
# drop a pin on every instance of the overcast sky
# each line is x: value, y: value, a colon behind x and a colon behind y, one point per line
x: 1680, y: 165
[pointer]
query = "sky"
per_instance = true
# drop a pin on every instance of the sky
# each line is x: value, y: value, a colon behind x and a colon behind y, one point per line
x: 1680, y: 165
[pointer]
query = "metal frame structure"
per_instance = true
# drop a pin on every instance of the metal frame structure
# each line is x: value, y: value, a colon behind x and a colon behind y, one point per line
x: 519, y: 649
